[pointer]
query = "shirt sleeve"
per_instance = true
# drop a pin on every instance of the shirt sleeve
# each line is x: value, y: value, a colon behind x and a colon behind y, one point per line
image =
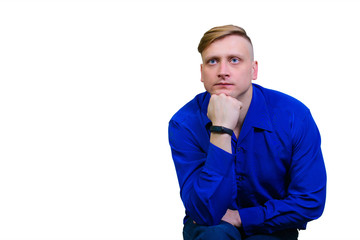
x: 305, y: 199
x: 206, y: 177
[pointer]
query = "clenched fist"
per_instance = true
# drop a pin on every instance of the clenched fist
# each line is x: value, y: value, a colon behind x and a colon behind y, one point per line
x: 224, y: 111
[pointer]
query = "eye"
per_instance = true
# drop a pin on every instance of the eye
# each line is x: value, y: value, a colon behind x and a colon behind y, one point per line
x: 212, y: 61
x: 234, y: 60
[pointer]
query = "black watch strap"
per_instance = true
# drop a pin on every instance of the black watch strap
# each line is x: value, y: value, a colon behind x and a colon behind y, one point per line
x: 221, y: 129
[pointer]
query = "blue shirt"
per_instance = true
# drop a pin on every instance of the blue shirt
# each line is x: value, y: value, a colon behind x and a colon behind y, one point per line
x: 275, y: 176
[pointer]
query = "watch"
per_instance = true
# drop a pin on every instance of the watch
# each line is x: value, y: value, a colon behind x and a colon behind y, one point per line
x: 221, y: 129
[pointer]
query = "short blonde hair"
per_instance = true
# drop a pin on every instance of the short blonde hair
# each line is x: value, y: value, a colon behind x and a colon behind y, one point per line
x: 217, y: 33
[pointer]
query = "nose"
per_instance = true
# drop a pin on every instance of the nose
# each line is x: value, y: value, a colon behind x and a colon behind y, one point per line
x: 223, y: 70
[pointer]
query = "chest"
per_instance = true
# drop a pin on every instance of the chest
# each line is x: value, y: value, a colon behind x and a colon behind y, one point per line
x: 263, y: 157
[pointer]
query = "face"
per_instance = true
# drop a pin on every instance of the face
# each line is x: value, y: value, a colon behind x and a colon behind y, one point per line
x: 228, y: 67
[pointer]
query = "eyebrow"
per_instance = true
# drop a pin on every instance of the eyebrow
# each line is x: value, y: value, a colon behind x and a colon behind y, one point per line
x: 208, y: 58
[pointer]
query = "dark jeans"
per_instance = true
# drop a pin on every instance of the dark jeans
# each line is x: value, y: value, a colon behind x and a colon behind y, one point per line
x: 224, y: 231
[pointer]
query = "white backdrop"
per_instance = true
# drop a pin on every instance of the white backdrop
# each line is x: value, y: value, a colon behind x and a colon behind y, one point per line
x: 87, y: 89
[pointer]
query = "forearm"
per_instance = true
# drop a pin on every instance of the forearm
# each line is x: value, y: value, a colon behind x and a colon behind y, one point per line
x: 305, y: 202
x: 222, y: 141
x: 290, y: 213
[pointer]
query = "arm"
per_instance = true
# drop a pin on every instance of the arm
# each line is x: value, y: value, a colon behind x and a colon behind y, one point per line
x: 206, y: 178
x: 207, y: 181
x: 307, y: 186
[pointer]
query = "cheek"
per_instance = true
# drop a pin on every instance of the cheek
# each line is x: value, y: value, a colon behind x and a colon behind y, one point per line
x: 206, y: 81
x: 245, y: 74
x: 205, y: 77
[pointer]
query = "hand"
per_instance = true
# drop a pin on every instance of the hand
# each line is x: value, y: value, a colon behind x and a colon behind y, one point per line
x: 232, y: 217
x: 224, y: 111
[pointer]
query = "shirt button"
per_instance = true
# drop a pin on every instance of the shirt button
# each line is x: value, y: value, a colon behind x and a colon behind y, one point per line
x: 240, y: 178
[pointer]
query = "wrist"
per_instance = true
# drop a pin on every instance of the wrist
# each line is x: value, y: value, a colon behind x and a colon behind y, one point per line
x: 222, y: 141
x: 221, y: 130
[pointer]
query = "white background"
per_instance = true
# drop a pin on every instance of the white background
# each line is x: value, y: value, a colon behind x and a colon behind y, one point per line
x: 87, y: 89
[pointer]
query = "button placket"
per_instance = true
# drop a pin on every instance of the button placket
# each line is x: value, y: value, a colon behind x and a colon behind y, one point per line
x: 240, y: 174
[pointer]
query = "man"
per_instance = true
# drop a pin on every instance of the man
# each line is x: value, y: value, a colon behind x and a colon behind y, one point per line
x: 248, y: 159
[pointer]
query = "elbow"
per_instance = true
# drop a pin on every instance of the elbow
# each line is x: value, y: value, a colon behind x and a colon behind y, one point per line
x: 314, y: 208
x: 317, y: 212
x: 313, y: 214
x: 320, y: 204
x: 207, y: 199
x: 313, y: 203
x: 206, y: 211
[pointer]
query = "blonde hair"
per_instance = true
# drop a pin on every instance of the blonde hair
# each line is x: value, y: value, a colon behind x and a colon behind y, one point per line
x: 217, y: 33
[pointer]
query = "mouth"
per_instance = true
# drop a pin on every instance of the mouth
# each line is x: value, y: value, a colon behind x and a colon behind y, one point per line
x: 224, y: 84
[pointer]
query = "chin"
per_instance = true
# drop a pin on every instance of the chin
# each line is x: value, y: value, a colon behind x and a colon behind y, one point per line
x: 224, y: 91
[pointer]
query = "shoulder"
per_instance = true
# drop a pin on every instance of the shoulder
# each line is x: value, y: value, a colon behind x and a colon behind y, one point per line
x: 280, y: 102
x: 288, y: 116
x: 192, y: 109
x: 190, y: 123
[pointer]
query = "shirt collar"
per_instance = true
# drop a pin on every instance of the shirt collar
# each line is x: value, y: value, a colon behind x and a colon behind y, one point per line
x: 257, y: 116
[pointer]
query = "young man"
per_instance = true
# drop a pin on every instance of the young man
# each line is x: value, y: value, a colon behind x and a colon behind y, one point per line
x: 248, y: 159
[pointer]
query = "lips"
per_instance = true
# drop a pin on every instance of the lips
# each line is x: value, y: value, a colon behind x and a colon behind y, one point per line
x: 223, y: 84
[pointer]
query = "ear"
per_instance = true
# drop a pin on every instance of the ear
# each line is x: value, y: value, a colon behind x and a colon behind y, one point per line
x: 201, y: 68
x: 254, y: 70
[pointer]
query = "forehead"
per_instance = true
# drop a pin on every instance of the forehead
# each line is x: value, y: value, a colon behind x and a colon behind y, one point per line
x: 229, y: 45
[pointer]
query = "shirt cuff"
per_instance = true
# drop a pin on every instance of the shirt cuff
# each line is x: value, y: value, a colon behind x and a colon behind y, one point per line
x: 219, y: 160
x: 252, y: 218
